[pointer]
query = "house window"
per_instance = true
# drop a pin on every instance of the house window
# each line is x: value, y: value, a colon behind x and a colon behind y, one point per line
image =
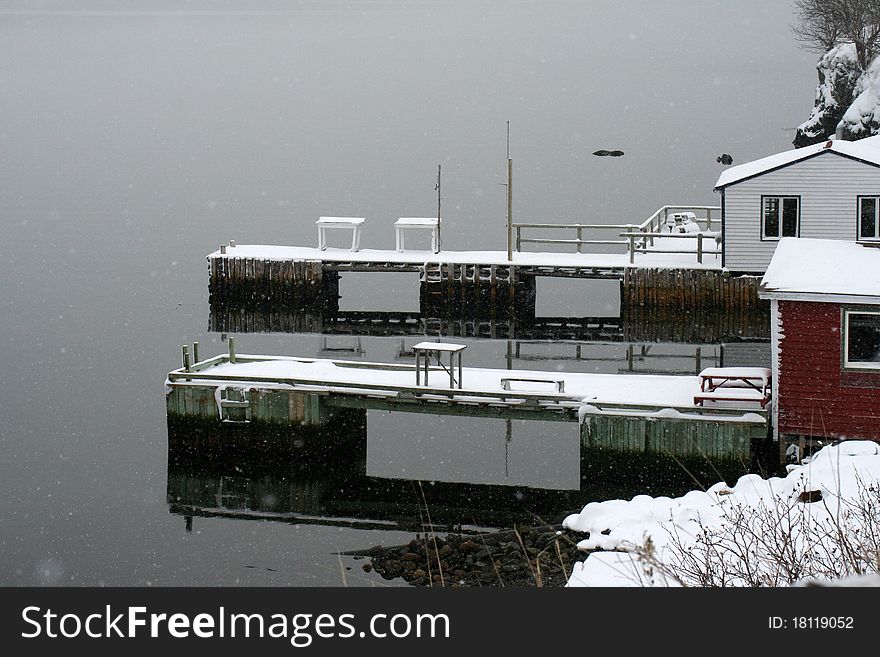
x: 861, y: 339
x: 869, y: 225
x: 780, y: 217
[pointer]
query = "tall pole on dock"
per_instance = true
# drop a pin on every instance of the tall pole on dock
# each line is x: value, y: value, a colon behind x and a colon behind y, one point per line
x: 509, y: 199
x: 438, y: 209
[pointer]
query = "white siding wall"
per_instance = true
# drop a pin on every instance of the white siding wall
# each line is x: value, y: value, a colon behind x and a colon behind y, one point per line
x: 828, y: 186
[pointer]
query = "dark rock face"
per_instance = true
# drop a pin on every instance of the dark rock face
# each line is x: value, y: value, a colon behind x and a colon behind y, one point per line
x: 540, y: 556
x: 840, y: 83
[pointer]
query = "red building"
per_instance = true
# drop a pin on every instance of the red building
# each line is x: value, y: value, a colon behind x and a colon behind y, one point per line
x: 825, y: 319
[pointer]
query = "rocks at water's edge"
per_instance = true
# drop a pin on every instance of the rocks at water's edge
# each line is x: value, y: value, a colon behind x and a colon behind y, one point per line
x: 538, y: 556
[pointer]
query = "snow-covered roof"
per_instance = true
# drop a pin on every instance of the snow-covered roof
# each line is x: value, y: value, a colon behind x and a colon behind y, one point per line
x: 823, y: 269
x: 867, y: 150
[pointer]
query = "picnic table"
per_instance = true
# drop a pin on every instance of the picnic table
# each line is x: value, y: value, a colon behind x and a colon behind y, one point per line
x: 734, y: 384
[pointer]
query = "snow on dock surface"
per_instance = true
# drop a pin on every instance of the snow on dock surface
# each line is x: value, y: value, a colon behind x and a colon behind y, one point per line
x: 635, y: 389
x: 839, y: 474
x: 657, y: 260
x: 658, y: 396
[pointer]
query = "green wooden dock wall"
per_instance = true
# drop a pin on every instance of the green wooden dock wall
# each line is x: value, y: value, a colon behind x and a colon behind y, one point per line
x: 671, y: 436
x: 264, y: 405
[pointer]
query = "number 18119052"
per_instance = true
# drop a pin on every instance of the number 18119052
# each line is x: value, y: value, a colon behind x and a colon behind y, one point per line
x: 811, y: 623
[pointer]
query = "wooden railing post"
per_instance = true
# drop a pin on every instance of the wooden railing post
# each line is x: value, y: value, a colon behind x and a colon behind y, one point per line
x: 708, y: 218
x: 195, y: 353
x: 231, y: 349
x: 518, y: 239
x: 580, y: 235
x: 700, y: 247
x: 632, y: 248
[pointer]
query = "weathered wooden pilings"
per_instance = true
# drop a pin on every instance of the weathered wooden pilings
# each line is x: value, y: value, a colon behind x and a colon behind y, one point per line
x: 693, y: 325
x: 285, y: 283
x: 493, y: 290
x: 690, y: 288
x: 485, y: 290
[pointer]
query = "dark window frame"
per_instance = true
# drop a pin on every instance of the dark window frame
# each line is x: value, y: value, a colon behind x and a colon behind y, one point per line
x: 858, y: 366
x: 859, y: 237
x: 765, y: 238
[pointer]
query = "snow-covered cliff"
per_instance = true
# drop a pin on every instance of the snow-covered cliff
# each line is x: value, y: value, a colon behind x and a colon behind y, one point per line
x: 846, y: 97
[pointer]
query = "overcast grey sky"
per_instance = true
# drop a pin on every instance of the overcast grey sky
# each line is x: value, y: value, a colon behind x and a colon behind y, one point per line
x: 348, y: 107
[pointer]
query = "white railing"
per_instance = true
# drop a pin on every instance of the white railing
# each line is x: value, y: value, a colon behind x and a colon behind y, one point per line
x: 642, y: 242
x: 707, y: 214
x: 579, y: 229
x: 638, y: 238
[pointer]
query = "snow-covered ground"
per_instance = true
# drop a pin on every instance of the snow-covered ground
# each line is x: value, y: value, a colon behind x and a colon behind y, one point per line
x: 805, y: 509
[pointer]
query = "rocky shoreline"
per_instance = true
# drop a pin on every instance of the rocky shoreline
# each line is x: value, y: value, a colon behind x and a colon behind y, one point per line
x: 527, y: 556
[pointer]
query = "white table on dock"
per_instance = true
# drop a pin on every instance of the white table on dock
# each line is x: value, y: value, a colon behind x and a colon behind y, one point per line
x: 349, y: 223
x: 437, y: 349
x: 418, y: 223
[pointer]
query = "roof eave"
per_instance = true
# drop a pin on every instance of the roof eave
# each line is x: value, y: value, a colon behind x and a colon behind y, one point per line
x: 817, y: 297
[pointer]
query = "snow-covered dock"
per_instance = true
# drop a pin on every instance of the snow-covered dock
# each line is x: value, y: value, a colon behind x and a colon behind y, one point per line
x: 306, y: 277
x: 246, y: 388
x: 572, y: 265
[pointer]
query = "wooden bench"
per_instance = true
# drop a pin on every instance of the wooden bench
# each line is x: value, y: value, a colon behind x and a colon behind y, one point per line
x: 733, y: 395
x: 353, y: 224
x: 734, y: 384
x: 558, y: 384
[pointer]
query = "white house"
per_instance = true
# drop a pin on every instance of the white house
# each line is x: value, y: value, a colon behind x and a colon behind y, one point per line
x: 829, y: 190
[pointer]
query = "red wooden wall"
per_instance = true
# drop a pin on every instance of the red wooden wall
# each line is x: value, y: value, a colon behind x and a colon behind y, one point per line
x: 817, y: 398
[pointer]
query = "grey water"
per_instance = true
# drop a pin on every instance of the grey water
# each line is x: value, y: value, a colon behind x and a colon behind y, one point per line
x: 135, y: 137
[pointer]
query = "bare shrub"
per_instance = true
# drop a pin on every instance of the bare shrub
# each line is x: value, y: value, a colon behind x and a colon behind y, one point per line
x: 773, y: 544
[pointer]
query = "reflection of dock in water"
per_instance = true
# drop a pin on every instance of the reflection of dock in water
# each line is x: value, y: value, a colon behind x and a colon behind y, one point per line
x: 309, y: 475
x: 637, y: 325
x: 318, y: 476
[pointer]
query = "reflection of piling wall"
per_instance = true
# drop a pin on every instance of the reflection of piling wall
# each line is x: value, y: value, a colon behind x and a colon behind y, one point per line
x: 690, y: 288
x: 298, y: 283
x: 263, y: 317
x: 637, y: 325
x: 614, y: 474
x: 204, y: 443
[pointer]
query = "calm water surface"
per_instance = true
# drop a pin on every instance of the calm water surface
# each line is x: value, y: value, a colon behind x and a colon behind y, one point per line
x: 133, y: 143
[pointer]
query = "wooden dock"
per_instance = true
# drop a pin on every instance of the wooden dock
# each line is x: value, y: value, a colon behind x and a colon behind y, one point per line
x: 305, y: 391
x: 302, y: 277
